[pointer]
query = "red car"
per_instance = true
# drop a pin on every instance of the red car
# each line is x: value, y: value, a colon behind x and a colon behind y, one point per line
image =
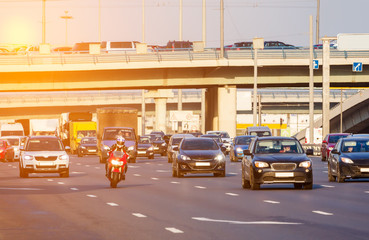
x: 6, y: 151
x: 329, y: 142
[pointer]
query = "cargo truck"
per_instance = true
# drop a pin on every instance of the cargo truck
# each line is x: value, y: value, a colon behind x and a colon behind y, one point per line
x: 113, y: 122
x: 39, y: 127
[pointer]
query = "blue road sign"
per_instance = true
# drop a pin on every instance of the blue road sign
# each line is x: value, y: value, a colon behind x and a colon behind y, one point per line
x: 315, y: 64
x: 357, y: 67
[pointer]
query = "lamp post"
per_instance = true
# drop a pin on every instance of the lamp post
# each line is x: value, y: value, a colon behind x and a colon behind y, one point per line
x: 221, y: 28
x: 258, y: 43
x: 66, y: 17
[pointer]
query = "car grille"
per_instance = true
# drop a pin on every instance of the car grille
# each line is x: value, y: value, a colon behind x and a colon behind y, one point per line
x: 284, y: 166
x: 42, y: 158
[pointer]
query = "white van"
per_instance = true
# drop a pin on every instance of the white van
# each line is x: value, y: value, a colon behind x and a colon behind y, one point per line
x: 119, y: 47
x: 258, y: 131
x: 11, y: 129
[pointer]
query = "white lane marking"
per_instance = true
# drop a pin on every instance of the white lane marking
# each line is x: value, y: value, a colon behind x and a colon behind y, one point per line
x: 9, y: 165
x: 323, y: 213
x: 366, y: 191
x: 133, y: 166
x: 14, y: 167
x: 270, y: 201
x: 61, y: 183
x: 22, y: 189
x: 200, y: 187
x: 50, y: 180
x: 325, y: 166
x: 87, y: 165
x: 112, y: 204
x: 154, y: 178
x: 160, y: 164
x: 173, y: 230
x: 327, y: 186
x: 79, y: 164
x: 232, y: 194
x: 137, y: 175
x: 74, y: 189
x: 175, y: 182
x: 233, y: 173
x: 78, y: 172
x: 138, y: 215
x: 91, y: 196
x: 148, y: 163
x: 164, y: 171
x: 97, y: 167
x: 325, y: 171
x: 240, y: 222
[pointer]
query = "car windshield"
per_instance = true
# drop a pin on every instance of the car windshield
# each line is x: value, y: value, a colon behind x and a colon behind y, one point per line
x: 45, y: 144
x: 88, y: 141
x: 113, y: 134
x: 86, y: 133
x: 243, y: 141
x: 335, y: 138
x: 216, y: 138
x: 144, y: 140
x: 199, y: 144
x: 13, y: 141
x: 278, y: 146
x: 355, y: 146
x: 260, y: 133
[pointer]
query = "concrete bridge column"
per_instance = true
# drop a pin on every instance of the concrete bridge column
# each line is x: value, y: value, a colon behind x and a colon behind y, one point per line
x: 211, y: 109
x: 227, y: 109
x: 160, y: 96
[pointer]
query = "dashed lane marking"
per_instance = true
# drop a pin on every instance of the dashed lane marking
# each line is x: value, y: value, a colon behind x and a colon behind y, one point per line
x: 200, y: 187
x: 154, y: 178
x: 232, y: 194
x: 241, y: 222
x: 97, y: 167
x: 366, y: 191
x: 50, y: 180
x: 163, y: 171
x: 91, y: 196
x: 325, y: 171
x: 61, y: 183
x: 79, y: 164
x: 173, y: 230
x: 270, y: 201
x: 87, y: 165
x: 175, y: 182
x: 74, y: 189
x: 22, y: 189
x: 137, y: 175
x: 78, y: 172
x: 323, y: 213
x: 112, y: 204
x: 133, y: 166
x: 14, y: 167
x: 139, y: 215
x: 327, y: 186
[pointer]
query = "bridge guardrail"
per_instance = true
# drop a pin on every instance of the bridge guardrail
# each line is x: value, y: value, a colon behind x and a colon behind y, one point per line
x: 188, y: 55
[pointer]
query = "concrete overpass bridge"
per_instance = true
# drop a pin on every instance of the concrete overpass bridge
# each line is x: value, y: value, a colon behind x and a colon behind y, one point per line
x: 221, y: 77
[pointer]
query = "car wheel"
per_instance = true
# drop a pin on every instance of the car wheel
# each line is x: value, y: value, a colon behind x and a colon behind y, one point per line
x: 254, y: 186
x: 65, y: 174
x: 331, y: 178
x: 79, y: 154
x: 179, y: 174
x: 323, y: 158
x: 101, y: 159
x: 174, y: 172
x: 340, y: 178
x: 245, y: 183
x: 297, y: 185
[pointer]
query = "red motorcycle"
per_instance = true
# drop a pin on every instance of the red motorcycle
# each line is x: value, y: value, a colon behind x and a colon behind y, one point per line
x: 117, y: 167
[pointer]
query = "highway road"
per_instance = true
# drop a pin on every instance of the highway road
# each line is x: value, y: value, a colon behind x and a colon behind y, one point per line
x: 151, y: 204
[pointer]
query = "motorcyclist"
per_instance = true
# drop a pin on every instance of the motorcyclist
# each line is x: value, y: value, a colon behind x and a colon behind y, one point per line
x: 118, y: 146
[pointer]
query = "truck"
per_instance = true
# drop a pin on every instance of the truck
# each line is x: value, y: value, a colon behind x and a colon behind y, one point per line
x: 48, y: 127
x: 11, y: 129
x: 74, y: 126
x: 113, y: 122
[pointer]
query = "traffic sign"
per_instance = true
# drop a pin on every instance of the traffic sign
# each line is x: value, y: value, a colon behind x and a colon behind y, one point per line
x: 357, y: 67
x: 315, y: 64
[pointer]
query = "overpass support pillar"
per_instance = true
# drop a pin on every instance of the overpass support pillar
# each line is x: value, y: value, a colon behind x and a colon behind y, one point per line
x: 160, y: 96
x: 221, y: 109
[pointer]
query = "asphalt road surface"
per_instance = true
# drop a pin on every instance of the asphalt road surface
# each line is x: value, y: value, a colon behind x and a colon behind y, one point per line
x: 151, y: 204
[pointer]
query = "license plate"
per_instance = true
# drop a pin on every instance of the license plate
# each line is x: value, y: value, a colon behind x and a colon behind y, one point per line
x: 46, y: 164
x: 284, y: 174
x: 202, y: 164
x: 141, y: 152
x: 364, y: 169
x: 92, y: 150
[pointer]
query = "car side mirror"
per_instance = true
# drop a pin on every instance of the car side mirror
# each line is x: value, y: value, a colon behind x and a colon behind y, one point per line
x: 175, y: 148
x: 325, y: 142
x: 67, y: 149
x: 21, y: 148
x: 223, y: 148
x: 309, y: 151
x: 335, y: 151
x: 247, y: 152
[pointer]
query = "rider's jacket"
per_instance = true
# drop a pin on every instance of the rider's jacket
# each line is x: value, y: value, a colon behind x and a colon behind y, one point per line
x: 116, y: 148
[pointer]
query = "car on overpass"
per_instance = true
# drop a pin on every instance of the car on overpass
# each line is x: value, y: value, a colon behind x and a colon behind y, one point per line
x: 329, y: 142
x: 198, y: 155
x: 349, y: 159
x: 276, y: 160
x: 278, y: 45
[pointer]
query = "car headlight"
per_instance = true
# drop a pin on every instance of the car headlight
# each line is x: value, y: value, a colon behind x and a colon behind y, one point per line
x: 239, y: 150
x: 150, y: 148
x: 219, y: 158
x: 131, y: 148
x: 28, y: 157
x: 106, y: 147
x: 163, y: 144
x: 116, y: 162
x: 16, y: 149
x: 185, y: 158
x: 1, y: 150
x: 346, y: 160
x: 305, y: 164
x: 83, y: 147
x: 260, y: 164
x: 330, y: 148
x: 63, y: 157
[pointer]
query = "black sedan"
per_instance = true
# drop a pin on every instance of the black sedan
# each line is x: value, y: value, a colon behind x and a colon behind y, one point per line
x: 276, y: 160
x: 87, y: 146
x: 160, y: 146
x: 198, y: 155
x: 349, y: 159
x: 145, y: 147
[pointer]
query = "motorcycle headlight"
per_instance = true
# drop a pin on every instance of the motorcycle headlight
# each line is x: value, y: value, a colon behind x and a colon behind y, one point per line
x: 83, y: 147
x: 1, y: 150
x: 305, y: 164
x: 131, y: 148
x: 239, y: 150
x: 63, y: 157
x: 16, y: 149
x: 219, y: 158
x: 106, y: 147
x: 150, y: 149
x: 185, y: 158
x: 28, y: 157
x: 260, y: 164
x: 346, y: 160
x: 330, y: 148
x: 116, y: 162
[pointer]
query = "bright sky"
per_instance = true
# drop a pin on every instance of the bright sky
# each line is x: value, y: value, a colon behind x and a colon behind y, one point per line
x: 283, y: 20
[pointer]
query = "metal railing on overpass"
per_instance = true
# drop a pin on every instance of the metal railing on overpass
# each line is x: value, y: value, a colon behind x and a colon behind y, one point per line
x: 208, y: 54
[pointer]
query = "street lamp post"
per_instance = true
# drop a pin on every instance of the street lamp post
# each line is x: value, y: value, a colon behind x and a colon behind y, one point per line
x: 258, y: 43
x: 66, y: 17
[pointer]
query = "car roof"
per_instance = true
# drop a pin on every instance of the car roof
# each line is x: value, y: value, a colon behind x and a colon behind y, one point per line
x: 355, y: 138
x: 210, y: 135
x: 276, y: 138
x: 31, y: 137
x: 246, y: 136
x: 181, y: 135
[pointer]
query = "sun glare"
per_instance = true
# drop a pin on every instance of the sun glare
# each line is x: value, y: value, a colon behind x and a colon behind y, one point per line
x: 19, y: 31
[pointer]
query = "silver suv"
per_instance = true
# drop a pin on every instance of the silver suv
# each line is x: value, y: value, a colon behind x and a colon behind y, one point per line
x: 43, y: 154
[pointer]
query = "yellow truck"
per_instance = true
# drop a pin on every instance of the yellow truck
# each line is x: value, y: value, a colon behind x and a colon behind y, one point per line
x: 78, y: 130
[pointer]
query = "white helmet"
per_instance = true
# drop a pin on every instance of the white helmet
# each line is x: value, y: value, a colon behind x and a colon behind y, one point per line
x: 120, y: 141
